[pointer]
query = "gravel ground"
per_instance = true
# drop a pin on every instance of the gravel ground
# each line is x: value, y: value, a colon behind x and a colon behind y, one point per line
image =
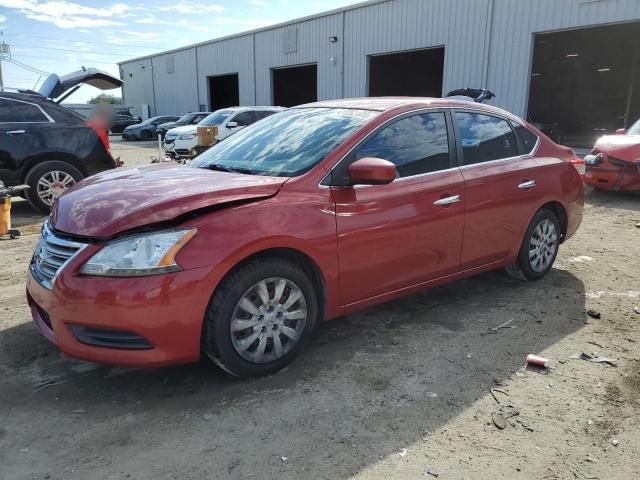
x: 398, y: 391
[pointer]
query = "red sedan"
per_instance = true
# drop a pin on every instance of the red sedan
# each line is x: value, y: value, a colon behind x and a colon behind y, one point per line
x: 614, y: 162
x: 314, y: 212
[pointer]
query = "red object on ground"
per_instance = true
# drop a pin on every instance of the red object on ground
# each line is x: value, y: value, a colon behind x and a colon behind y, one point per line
x: 537, y: 360
x: 367, y: 245
x: 614, y: 163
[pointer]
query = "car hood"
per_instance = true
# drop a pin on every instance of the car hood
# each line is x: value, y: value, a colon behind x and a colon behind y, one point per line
x: 183, y: 130
x: 169, y: 125
x: 126, y: 198
x: 624, y: 147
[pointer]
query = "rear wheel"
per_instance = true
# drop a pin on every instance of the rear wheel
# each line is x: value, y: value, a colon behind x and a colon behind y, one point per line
x: 47, y: 181
x: 539, y: 248
x: 260, y: 317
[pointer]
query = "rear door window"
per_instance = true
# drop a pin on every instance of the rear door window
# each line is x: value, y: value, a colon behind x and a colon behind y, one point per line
x: 260, y: 114
x: 243, y: 119
x: 416, y: 144
x: 485, y: 138
x: 28, y: 112
x: 7, y: 115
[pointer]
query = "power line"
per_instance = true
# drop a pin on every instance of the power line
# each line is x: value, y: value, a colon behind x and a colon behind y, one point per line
x: 65, y: 59
x: 75, y: 50
x: 28, y: 67
x: 112, y: 45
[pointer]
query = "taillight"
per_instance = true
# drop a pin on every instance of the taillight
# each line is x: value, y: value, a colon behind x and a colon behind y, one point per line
x: 579, y: 165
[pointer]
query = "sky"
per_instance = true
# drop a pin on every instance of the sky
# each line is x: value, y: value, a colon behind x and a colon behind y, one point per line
x: 62, y: 36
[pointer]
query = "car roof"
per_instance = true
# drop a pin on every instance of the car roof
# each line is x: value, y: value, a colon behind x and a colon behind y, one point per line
x: 261, y: 107
x: 25, y: 96
x: 382, y: 104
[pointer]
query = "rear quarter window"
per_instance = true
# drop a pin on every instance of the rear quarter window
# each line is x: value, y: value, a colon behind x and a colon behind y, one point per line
x: 63, y: 115
x: 526, y: 137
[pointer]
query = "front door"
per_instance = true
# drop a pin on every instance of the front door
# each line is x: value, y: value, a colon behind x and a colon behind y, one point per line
x: 500, y: 187
x: 409, y: 231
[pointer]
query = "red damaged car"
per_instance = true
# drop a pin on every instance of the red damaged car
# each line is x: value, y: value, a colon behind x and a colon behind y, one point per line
x: 614, y: 162
x: 309, y: 214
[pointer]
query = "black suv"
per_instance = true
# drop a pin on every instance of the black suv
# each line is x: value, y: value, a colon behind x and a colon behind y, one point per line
x: 47, y: 146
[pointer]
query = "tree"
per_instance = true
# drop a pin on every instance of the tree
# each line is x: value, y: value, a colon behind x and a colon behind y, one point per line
x: 105, y: 98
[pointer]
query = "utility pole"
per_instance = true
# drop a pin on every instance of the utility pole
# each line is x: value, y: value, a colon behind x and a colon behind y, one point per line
x: 5, y: 52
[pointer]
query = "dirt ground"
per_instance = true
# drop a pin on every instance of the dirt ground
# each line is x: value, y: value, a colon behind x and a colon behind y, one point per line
x: 400, y: 391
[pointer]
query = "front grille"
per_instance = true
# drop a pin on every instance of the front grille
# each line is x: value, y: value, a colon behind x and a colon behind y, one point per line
x: 51, y: 255
x: 101, y: 337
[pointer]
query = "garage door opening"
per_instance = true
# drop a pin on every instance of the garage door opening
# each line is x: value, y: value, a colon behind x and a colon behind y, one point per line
x: 415, y: 73
x: 585, y: 82
x: 224, y: 91
x: 295, y: 85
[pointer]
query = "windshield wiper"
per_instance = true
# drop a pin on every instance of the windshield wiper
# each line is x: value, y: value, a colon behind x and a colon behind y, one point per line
x: 222, y: 168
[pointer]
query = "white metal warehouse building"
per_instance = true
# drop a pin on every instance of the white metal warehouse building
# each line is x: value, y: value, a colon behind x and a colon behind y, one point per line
x: 568, y: 63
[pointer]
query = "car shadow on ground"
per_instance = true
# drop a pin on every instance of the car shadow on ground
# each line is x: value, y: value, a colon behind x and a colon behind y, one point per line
x: 368, y: 385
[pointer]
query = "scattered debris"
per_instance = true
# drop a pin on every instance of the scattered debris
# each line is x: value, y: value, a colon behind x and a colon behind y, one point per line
x: 504, y: 325
x: 403, y: 452
x: 595, y: 343
x: 614, y: 442
x: 525, y: 425
x: 493, y: 394
x: 594, y: 359
x: 579, y: 259
x: 534, y: 359
x: 433, y: 472
x: 207, y: 416
x: 498, y: 420
x: 637, y: 225
x: 430, y: 394
x: 79, y: 411
x: 591, y: 460
x: 594, y: 314
x: 284, y: 459
x: 637, y: 310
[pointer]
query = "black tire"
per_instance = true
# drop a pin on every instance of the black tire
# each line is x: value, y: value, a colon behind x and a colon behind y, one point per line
x: 216, y: 335
x: 145, y: 135
x: 40, y: 170
x: 523, y: 269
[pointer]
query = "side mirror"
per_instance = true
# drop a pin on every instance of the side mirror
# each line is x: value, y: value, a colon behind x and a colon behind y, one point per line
x: 372, y: 171
x: 232, y: 124
x: 621, y: 131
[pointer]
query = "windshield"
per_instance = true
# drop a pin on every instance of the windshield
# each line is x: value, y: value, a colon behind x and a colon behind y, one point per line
x: 635, y: 129
x: 186, y: 118
x: 216, y: 118
x: 286, y: 144
x: 149, y: 121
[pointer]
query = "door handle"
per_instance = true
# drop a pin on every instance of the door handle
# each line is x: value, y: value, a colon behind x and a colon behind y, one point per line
x: 16, y: 132
x: 527, y: 184
x: 448, y: 200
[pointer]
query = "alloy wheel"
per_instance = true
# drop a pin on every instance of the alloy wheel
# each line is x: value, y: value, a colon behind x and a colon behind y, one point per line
x: 268, y: 320
x: 53, y: 184
x: 543, y: 245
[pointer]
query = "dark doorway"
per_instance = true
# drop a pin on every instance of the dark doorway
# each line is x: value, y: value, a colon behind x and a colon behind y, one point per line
x: 224, y: 91
x: 295, y: 85
x: 416, y: 73
x: 585, y: 82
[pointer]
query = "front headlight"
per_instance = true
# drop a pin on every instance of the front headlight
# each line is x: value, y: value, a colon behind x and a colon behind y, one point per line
x: 139, y: 255
x: 188, y: 136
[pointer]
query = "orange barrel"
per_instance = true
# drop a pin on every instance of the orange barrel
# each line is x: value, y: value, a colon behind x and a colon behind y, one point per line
x: 5, y: 215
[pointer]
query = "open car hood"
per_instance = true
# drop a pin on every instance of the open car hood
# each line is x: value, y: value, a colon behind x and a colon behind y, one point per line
x: 126, y: 198
x: 624, y: 147
x: 55, y: 86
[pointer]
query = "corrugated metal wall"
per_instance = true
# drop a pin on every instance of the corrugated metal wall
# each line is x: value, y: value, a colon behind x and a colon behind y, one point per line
x: 175, y: 82
x: 514, y: 26
x: 234, y: 55
x: 312, y: 46
x: 458, y: 25
x: 487, y: 43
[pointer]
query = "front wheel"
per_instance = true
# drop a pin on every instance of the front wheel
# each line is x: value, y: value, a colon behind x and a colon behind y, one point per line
x: 539, y: 248
x: 47, y: 181
x: 260, y: 317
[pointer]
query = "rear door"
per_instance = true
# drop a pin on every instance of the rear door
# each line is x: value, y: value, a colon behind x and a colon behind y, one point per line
x: 409, y: 231
x: 500, y: 177
x: 18, y: 119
